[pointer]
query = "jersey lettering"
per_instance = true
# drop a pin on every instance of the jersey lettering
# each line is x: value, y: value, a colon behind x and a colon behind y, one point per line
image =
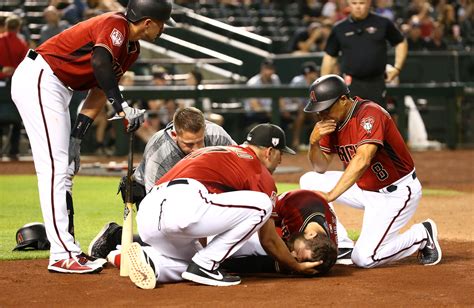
x: 379, y: 171
x: 216, y: 149
x: 346, y: 152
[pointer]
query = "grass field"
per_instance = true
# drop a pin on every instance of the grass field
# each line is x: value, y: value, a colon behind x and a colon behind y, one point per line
x: 95, y: 203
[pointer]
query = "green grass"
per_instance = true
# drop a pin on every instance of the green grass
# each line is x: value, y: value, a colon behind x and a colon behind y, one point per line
x: 95, y: 203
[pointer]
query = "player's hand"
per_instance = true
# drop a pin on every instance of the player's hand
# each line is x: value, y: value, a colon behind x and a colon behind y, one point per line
x: 75, y: 153
x: 308, y: 268
x: 134, y: 117
x: 320, y: 129
x: 391, y: 74
x: 323, y: 194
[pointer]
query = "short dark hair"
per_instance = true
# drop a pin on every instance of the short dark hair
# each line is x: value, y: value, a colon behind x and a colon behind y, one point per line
x: 197, y: 75
x: 322, y: 249
x: 189, y: 119
x: 13, y: 22
x: 268, y: 63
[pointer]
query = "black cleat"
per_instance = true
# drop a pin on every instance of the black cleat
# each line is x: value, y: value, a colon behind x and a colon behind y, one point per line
x: 211, y: 278
x: 105, y: 241
x: 431, y: 253
x: 344, y: 256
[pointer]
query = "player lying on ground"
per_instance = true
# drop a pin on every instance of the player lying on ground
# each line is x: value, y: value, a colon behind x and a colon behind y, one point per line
x: 379, y: 176
x: 305, y: 221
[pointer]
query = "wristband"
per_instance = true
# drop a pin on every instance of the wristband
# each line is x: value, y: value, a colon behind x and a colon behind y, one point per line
x: 81, y: 126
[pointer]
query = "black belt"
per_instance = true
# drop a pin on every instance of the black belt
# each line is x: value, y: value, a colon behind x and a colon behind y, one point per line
x: 392, y: 188
x: 178, y: 181
x: 32, y: 54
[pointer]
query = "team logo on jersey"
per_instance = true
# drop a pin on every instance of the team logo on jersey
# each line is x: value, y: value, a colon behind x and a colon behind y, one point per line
x: 275, y: 141
x: 117, y: 37
x: 367, y: 124
x: 371, y: 30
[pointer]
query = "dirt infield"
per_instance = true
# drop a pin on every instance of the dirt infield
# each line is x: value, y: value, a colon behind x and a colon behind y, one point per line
x: 28, y: 283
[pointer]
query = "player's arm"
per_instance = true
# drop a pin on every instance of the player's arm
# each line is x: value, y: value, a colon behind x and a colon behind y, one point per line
x: 328, y: 64
x: 102, y: 65
x: 357, y: 166
x: 319, y: 159
x: 401, y: 51
x: 276, y: 248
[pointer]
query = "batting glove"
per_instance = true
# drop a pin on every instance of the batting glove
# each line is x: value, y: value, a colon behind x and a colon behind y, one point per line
x: 75, y: 153
x: 134, y: 117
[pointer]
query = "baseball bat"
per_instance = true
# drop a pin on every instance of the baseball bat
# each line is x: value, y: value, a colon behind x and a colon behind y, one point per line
x: 127, y: 230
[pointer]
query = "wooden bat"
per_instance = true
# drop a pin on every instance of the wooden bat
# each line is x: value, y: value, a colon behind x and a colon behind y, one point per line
x: 127, y: 230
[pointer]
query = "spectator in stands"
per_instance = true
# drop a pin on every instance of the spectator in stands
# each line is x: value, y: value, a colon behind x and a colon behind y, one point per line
x: 310, y: 10
x: 384, y: 8
x: 437, y: 41
x: 309, y: 73
x: 310, y: 39
x: 362, y: 41
x: 424, y: 19
x: 258, y: 109
x: 13, y: 50
x: 97, y: 7
x: 160, y: 111
x: 54, y: 24
x: 2, y: 23
x: 414, y: 39
x: 74, y: 12
x: 452, y: 31
x: 195, y: 79
x: 467, y: 26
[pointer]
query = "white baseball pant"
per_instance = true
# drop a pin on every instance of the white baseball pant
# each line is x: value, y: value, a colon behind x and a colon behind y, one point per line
x: 174, y: 215
x: 385, y: 214
x: 43, y: 102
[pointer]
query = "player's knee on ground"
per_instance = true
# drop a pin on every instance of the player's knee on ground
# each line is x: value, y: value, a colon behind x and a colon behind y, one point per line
x: 362, y: 258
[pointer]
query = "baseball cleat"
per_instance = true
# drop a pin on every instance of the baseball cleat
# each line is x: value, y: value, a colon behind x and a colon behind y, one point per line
x: 344, y: 256
x: 216, y: 278
x: 142, y: 270
x: 431, y: 254
x: 105, y: 241
x: 79, y: 264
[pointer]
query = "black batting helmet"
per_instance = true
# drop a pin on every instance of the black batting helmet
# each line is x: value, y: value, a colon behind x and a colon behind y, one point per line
x: 324, y: 92
x: 156, y: 9
x: 32, y: 236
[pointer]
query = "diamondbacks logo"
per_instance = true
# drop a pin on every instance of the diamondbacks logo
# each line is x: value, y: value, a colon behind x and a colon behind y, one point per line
x: 312, y: 95
x: 275, y: 141
x: 367, y: 124
x: 117, y: 37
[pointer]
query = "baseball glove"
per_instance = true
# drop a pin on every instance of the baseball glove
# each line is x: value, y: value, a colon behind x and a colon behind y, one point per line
x: 138, y: 190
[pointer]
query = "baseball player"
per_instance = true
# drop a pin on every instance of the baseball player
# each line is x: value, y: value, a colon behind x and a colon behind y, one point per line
x: 308, y: 226
x: 379, y: 176
x: 91, y: 55
x: 225, y: 192
x: 188, y: 132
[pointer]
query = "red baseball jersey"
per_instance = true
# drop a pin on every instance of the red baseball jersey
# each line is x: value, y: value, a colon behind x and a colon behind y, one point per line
x: 367, y: 122
x: 69, y: 53
x: 12, y: 51
x: 295, y: 209
x: 223, y: 169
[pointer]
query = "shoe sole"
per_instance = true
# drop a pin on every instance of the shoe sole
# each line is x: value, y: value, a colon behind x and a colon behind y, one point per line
x: 206, y: 281
x: 140, y: 272
x: 344, y: 262
x: 100, y: 234
x: 67, y: 271
x: 434, y: 228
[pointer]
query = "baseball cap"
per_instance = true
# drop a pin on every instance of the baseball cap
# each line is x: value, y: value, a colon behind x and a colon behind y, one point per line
x: 269, y: 135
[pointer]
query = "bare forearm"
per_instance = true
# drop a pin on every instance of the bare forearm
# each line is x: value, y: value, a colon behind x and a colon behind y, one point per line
x: 94, y: 103
x: 401, y: 51
x: 275, y: 247
x: 328, y: 64
x: 317, y: 158
x: 353, y: 172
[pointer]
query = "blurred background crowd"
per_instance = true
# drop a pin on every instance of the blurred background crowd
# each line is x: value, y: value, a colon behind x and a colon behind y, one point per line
x: 295, y: 27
